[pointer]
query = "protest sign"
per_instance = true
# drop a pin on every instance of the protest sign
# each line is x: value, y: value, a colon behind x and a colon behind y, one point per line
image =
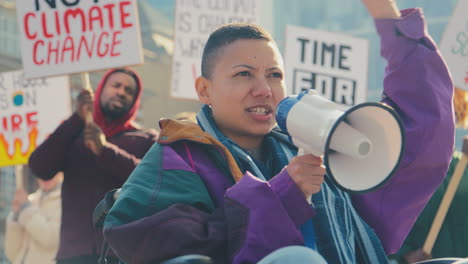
x: 335, y: 65
x: 454, y: 45
x: 61, y: 37
x: 30, y: 109
x: 194, y: 22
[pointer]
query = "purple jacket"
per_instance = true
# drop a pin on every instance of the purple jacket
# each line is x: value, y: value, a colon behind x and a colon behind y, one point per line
x: 86, y: 178
x: 189, y: 196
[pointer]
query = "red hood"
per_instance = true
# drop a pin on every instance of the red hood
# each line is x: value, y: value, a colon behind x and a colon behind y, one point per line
x: 124, y: 123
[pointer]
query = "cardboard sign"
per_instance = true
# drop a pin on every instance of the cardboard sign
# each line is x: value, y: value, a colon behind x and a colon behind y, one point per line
x: 61, y: 37
x: 335, y: 65
x: 30, y: 109
x: 194, y: 22
x: 454, y: 45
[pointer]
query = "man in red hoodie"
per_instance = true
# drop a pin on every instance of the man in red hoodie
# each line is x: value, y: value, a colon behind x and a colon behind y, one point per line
x: 95, y: 156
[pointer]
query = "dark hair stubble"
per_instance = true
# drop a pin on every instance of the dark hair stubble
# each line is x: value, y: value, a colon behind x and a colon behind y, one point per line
x: 225, y: 35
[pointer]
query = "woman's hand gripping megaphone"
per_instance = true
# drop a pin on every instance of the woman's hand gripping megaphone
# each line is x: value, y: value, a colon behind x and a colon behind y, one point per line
x: 308, y: 172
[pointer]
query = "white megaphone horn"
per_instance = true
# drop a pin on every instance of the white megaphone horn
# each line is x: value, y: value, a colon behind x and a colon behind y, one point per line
x: 361, y: 147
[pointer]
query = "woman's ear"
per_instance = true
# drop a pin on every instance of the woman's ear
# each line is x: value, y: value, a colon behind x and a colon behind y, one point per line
x: 202, y: 85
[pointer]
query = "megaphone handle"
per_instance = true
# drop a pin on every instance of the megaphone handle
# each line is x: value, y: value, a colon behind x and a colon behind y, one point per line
x: 300, y: 151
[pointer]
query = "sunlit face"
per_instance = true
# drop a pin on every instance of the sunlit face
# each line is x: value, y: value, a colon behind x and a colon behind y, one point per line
x: 118, y: 95
x: 244, y: 89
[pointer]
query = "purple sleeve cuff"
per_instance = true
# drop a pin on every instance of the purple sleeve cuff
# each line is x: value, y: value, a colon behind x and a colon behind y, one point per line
x: 275, y: 213
x: 399, y: 37
x: 411, y: 25
x: 281, y: 188
x: 292, y: 198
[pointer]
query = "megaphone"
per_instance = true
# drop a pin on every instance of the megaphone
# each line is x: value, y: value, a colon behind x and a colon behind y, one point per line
x: 361, y: 147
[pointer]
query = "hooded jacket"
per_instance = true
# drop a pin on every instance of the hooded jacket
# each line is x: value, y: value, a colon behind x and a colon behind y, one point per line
x: 88, y: 177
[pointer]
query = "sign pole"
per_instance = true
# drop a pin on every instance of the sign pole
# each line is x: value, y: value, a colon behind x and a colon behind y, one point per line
x: 87, y: 86
x: 19, y: 177
x: 447, y: 200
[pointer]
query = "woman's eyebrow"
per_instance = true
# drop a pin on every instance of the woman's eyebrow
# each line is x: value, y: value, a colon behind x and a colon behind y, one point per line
x: 274, y: 68
x: 253, y: 68
x: 244, y: 65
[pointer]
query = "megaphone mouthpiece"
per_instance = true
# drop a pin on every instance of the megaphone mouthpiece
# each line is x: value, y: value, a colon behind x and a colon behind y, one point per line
x: 350, y: 141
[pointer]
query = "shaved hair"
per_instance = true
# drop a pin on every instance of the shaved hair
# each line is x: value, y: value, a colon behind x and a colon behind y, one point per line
x: 225, y: 35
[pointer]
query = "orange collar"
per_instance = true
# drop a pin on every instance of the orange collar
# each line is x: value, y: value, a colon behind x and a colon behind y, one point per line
x: 174, y: 130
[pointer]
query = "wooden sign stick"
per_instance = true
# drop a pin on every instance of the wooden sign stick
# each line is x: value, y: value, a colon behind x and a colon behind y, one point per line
x: 447, y: 200
x: 87, y: 86
x: 19, y: 177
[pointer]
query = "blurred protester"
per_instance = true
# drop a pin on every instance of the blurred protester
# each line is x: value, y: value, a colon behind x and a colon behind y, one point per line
x: 32, y: 229
x: 7, y: 191
x: 95, y: 157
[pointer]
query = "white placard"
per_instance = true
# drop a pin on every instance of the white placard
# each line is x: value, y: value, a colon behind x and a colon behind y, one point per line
x: 333, y: 64
x: 454, y: 45
x: 62, y: 37
x: 30, y: 109
x: 194, y: 22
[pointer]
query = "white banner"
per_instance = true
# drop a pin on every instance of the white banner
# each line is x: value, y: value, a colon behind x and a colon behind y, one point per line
x: 30, y: 109
x: 333, y: 64
x: 62, y: 37
x: 194, y: 22
x: 454, y: 45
